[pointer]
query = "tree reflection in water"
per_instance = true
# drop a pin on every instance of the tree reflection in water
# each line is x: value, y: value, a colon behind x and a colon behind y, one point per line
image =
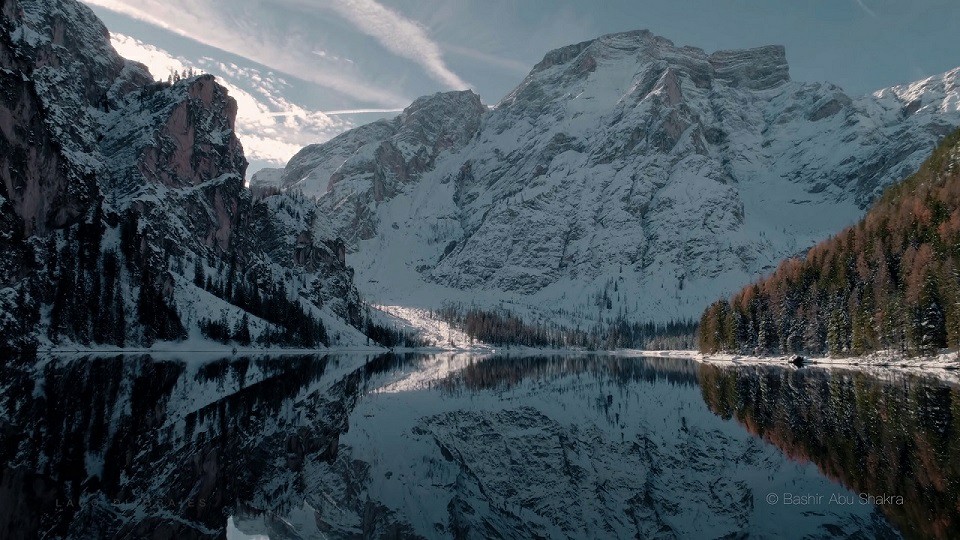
x: 135, y: 447
x: 145, y: 447
x: 896, y: 435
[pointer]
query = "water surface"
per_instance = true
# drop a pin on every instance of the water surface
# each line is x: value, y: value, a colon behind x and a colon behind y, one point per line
x: 437, y: 446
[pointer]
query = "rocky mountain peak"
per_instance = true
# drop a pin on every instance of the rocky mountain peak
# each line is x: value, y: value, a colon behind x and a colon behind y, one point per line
x: 759, y: 68
x: 195, y: 141
x: 606, y: 60
x: 939, y: 93
x: 368, y: 166
x: 642, y: 42
x: 454, y: 101
x: 624, y: 176
x: 123, y: 214
x: 389, y: 151
x: 443, y: 120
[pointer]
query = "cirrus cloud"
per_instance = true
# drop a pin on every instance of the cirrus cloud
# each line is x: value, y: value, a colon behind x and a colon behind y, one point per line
x: 233, y: 27
x: 399, y: 35
x: 270, y: 126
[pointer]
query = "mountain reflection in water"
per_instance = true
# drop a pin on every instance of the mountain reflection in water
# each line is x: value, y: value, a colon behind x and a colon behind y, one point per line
x: 468, y: 447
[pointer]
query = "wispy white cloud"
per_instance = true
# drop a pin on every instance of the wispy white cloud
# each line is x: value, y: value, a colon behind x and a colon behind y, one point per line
x: 487, y: 58
x: 159, y: 62
x: 360, y: 111
x: 866, y: 8
x: 325, y: 55
x: 221, y: 26
x: 271, y: 128
x: 399, y: 35
x: 338, y: 112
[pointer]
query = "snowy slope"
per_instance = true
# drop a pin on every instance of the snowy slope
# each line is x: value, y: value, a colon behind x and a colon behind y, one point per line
x: 624, y: 167
x: 123, y: 216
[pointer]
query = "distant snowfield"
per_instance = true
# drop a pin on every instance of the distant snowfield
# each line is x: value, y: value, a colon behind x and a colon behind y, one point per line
x: 434, y: 330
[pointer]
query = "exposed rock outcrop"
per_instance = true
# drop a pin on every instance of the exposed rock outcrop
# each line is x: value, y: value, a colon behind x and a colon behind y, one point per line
x: 365, y: 167
x: 124, y: 213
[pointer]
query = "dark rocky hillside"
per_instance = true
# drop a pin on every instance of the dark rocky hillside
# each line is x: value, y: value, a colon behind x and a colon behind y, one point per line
x: 123, y: 213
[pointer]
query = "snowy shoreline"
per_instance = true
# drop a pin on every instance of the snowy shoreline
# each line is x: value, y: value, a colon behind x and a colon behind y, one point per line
x: 945, y: 366
x: 947, y: 360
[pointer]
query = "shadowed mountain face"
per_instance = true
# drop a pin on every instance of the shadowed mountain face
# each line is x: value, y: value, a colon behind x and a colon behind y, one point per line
x: 625, y: 164
x: 123, y: 215
x: 898, y: 436
x: 469, y: 447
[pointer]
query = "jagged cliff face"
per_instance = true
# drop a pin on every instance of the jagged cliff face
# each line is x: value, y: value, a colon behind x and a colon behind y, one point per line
x: 187, y: 138
x: 125, y: 218
x: 627, y: 175
x: 68, y: 74
x: 365, y: 167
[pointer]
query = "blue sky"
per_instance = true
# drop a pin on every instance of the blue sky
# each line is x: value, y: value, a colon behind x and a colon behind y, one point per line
x: 302, y: 61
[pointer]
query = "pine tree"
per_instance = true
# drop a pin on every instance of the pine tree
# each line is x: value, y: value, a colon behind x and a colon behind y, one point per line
x: 199, y: 279
x: 241, y: 333
x: 931, y: 323
x: 120, y: 322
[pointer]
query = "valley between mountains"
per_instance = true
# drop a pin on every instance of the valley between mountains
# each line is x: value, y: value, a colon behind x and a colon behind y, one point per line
x: 477, y: 318
x: 622, y: 187
x: 624, y: 179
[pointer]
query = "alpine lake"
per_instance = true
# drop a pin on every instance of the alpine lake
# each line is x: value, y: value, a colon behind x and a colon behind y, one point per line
x: 458, y: 445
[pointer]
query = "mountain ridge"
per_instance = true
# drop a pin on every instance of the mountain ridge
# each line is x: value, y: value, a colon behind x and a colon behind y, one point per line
x: 125, y: 218
x: 626, y: 177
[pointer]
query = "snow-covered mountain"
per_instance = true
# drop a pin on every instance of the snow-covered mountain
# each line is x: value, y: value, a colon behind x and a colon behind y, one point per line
x: 624, y: 176
x: 123, y: 211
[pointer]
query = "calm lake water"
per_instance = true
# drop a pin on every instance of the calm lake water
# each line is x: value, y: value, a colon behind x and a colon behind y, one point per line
x: 438, y: 446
